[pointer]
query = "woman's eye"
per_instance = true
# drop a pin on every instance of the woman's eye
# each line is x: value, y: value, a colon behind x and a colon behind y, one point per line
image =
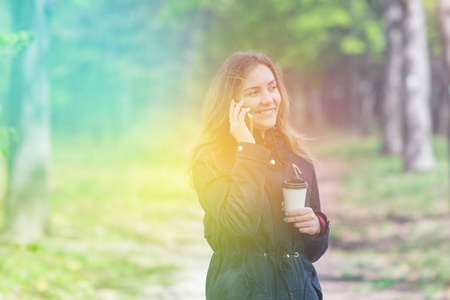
x: 273, y: 88
x: 251, y: 94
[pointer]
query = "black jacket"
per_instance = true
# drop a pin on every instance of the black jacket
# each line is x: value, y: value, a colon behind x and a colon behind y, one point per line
x: 256, y: 254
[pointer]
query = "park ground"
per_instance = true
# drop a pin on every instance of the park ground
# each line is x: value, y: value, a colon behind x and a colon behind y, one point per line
x: 126, y: 225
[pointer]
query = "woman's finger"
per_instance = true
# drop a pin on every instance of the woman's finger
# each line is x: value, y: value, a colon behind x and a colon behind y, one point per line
x: 308, y: 230
x: 236, y: 111
x: 303, y: 211
x: 233, y: 103
x: 304, y: 224
x: 238, y: 107
x: 242, y: 114
x: 299, y: 219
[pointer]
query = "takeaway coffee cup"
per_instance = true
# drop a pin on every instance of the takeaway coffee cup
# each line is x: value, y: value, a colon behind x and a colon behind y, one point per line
x: 294, y: 193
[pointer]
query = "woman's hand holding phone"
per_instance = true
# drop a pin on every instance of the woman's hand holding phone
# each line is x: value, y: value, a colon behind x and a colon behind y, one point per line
x: 238, y: 128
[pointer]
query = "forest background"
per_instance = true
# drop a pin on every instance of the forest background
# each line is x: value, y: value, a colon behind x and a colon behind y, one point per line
x: 100, y: 99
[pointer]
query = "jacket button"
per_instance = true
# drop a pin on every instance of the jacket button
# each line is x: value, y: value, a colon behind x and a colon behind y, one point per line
x: 272, y: 162
x: 240, y: 148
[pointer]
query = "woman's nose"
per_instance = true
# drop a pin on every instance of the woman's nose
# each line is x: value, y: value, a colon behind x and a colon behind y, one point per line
x: 266, y: 98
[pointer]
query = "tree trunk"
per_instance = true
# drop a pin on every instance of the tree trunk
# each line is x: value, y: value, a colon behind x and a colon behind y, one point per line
x: 444, y: 26
x: 417, y: 152
x: 443, y: 11
x: 352, y: 101
x: 366, y: 107
x: 439, y: 94
x: 391, y: 98
x: 439, y: 83
x: 28, y: 115
x: 366, y: 97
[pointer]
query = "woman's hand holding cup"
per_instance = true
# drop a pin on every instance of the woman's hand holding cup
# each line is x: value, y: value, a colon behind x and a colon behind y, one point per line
x: 238, y: 128
x: 304, y: 219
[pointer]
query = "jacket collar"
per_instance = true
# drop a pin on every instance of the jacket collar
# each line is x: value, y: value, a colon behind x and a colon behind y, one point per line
x: 273, y: 140
x: 272, y: 137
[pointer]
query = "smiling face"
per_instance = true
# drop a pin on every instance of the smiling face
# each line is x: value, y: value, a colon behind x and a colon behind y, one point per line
x: 260, y: 93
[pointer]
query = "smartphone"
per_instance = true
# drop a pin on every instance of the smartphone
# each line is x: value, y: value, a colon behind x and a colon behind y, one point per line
x: 249, y: 122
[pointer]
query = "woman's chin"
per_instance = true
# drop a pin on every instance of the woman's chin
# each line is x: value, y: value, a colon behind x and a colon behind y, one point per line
x: 265, y: 125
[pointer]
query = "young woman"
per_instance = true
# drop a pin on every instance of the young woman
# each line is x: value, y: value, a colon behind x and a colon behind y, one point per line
x: 260, y: 251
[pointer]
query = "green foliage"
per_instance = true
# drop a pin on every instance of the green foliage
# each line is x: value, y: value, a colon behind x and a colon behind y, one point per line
x: 10, y: 44
x: 15, y: 41
x: 296, y: 32
x: 353, y: 46
x: 373, y: 31
x: 6, y: 135
x: 3, y: 138
x: 113, y: 61
x: 110, y: 65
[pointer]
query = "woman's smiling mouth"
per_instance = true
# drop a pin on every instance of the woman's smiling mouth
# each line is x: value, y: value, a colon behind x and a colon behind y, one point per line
x: 266, y: 112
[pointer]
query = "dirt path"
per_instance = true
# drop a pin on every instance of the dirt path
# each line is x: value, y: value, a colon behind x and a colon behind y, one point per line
x: 332, y: 267
x: 191, y: 260
x: 189, y: 281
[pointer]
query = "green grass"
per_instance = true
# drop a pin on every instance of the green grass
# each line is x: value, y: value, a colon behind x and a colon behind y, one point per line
x: 114, y: 208
x: 393, y: 223
x: 56, y: 270
x: 380, y: 181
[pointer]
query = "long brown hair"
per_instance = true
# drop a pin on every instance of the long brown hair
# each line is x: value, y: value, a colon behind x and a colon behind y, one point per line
x: 215, y: 137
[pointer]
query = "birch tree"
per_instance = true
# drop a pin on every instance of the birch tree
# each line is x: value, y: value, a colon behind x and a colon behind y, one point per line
x: 417, y: 152
x: 28, y: 114
x: 392, y: 138
x: 443, y: 11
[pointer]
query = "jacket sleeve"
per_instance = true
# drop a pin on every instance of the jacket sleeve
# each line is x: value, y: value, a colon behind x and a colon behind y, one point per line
x: 315, y: 247
x: 235, y: 200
